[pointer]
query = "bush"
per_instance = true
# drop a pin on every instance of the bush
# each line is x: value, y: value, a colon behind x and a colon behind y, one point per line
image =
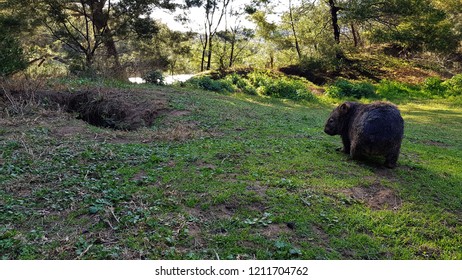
x: 257, y: 82
x: 434, y: 86
x: 207, y: 83
x: 241, y: 84
x: 286, y: 89
x: 154, y: 77
x: 343, y: 88
x: 11, y: 56
x: 393, y: 90
x: 453, y: 86
x: 279, y: 87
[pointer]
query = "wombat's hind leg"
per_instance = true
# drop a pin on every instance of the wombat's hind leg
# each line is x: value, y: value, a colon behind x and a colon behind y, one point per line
x: 391, y: 159
x: 354, y: 152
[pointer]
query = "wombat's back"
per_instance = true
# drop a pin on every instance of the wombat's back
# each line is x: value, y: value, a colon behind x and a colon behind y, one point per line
x: 377, y: 128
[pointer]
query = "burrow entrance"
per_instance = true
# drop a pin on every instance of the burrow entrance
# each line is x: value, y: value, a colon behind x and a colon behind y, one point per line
x: 122, y: 110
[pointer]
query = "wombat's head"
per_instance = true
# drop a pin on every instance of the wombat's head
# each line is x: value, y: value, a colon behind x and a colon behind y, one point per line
x: 337, y: 119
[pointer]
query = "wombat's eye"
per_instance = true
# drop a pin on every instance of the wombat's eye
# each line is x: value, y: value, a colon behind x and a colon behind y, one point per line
x: 331, y: 120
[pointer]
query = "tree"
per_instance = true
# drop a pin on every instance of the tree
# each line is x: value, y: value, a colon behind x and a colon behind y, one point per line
x: 292, y: 24
x: 334, y: 9
x: 238, y: 39
x: 416, y: 25
x: 234, y: 39
x: 214, y: 10
x: 84, y: 26
x: 11, y: 53
x: 166, y: 50
x: 268, y: 32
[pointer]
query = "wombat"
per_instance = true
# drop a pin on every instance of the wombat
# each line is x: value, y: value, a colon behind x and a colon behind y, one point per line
x: 368, y: 129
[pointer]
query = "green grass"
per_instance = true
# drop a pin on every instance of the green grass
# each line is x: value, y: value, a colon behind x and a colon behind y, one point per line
x: 255, y: 177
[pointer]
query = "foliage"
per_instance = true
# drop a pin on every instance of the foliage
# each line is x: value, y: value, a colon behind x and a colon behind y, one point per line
x: 343, y: 88
x: 12, y: 58
x: 11, y: 55
x: 418, y: 26
x: 279, y: 87
x: 394, y: 90
x: 167, y: 50
x: 87, y: 34
x: 453, y: 86
x: 322, y: 63
x: 242, y: 84
x: 234, y: 46
x: 207, y: 83
x: 434, y: 86
x: 257, y: 82
x: 154, y: 77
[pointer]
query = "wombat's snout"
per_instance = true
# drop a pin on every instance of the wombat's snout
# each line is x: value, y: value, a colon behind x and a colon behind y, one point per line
x: 328, y: 130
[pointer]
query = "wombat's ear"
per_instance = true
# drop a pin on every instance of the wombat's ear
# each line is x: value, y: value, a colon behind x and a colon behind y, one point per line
x: 345, y: 107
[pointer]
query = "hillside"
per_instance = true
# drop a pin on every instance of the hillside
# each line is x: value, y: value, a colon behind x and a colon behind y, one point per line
x: 229, y: 176
x: 372, y: 65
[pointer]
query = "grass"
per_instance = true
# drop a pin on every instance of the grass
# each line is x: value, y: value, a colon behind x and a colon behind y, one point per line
x: 229, y: 177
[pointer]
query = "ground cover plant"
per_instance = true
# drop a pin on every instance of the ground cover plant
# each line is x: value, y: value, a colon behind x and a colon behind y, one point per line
x: 228, y: 176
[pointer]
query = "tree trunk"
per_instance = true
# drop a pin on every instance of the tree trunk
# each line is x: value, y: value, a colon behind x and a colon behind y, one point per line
x: 334, y: 16
x: 231, y: 55
x: 209, y: 57
x: 88, y: 61
x: 204, y: 50
x: 271, y: 61
x: 297, y: 46
x: 118, y: 71
x: 100, y: 20
x: 355, y: 37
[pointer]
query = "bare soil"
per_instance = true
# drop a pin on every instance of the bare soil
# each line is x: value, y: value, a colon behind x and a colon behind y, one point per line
x: 376, y: 196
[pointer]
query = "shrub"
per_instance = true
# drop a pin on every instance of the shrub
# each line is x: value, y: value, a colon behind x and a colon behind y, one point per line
x: 257, y: 82
x: 241, y: 84
x: 11, y: 56
x: 434, y: 86
x: 453, y: 86
x: 258, y: 79
x: 393, y: 90
x: 343, y: 88
x: 250, y: 90
x: 285, y: 88
x: 154, y: 77
x: 207, y: 83
x: 279, y: 87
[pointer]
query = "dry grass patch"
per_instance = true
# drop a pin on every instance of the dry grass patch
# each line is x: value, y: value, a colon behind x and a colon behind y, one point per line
x: 376, y: 196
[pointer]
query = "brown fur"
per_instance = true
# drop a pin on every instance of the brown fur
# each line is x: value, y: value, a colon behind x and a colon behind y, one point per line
x: 368, y: 129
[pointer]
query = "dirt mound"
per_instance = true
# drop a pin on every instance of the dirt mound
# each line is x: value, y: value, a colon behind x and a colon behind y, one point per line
x: 316, y: 76
x: 113, y: 109
x: 376, y: 196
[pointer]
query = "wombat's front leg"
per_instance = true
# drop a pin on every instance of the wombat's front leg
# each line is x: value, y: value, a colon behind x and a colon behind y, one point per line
x: 346, y: 145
